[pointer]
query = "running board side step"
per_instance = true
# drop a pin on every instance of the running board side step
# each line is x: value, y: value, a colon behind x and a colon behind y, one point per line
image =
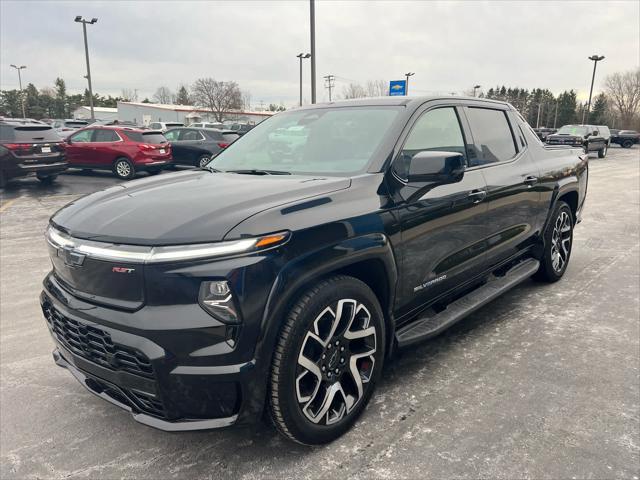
x: 428, y: 327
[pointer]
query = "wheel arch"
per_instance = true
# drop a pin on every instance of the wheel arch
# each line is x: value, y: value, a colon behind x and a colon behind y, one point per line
x: 369, y: 258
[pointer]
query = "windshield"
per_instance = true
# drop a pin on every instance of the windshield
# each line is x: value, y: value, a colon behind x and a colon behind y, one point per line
x: 332, y: 141
x: 573, y: 130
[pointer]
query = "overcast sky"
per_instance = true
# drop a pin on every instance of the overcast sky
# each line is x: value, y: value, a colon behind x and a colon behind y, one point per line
x: 450, y: 46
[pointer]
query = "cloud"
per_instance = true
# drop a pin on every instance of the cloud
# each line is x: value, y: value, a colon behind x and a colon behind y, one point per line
x: 451, y: 46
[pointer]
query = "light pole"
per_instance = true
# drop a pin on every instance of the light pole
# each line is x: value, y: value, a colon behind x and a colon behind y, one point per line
x: 312, y: 18
x: 84, y: 22
x: 21, y: 67
x: 301, y: 56
x: 406, y: 86
x: 595, y: 59
x: 475, y: 87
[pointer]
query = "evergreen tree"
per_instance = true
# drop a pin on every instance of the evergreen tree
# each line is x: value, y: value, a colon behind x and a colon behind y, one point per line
x: 599, y: 111
x: 61, y: 98
x: 182, y: 97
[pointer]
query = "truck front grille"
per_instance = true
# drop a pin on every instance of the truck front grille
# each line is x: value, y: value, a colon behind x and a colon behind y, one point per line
x: 95, y: 344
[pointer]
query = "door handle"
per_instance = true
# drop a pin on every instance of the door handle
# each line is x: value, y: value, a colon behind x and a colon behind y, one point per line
x: 530, y: 180
x: 477, y: 195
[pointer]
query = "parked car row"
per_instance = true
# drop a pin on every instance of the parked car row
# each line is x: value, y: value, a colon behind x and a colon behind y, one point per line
x: 36, y: 148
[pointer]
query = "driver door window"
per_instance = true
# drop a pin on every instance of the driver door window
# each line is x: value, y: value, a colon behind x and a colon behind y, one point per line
x: 435, y: 130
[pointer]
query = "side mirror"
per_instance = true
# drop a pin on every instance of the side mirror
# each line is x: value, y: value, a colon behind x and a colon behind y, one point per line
x: 67, y: 141
x: 436, y: 166
x: 595, y: 133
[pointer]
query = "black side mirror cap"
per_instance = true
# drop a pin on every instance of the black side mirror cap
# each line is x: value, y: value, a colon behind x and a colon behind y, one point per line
x: 436, y: 166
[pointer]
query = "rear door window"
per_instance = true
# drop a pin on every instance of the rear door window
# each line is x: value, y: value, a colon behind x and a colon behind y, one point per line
x: 105, y: 136
x: 492, y: 135
x: 191, y: 135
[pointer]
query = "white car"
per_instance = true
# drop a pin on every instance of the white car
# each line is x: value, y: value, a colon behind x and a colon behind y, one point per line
x: 164, y: 126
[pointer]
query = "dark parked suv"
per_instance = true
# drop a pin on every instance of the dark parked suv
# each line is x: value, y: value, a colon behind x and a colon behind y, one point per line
x: 30, y: 149
x: 589, y: 137
x: 283, y: 281
x: 625, y: 138
x: 196, y: 146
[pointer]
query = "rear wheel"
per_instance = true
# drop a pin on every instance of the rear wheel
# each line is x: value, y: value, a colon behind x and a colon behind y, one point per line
x: 124, y: 169
x: 558, y: 240
x: 203, y: 160
x: 327, y: 361
x: 627, y: 143
x: 47, y: 179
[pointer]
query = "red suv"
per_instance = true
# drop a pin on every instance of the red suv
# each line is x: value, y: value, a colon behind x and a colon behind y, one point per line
x: 122, y: 150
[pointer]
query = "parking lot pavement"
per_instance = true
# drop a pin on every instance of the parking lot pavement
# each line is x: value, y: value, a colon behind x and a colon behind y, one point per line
x: 543, y: 382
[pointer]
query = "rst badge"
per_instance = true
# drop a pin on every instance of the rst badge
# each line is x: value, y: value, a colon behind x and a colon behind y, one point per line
x: 123, y: 270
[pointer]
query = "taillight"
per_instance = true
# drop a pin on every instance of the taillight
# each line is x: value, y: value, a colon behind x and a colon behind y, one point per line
x: 223, y: 144
x: 18, y: 146
x: 145, y: 146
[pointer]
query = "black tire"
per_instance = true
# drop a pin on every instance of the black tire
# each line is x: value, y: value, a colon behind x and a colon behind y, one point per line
x: 603, y: 151
x: 203, y: 160
x: 123, y: 169
x: 3, y: 179
x: 154, y: 171
x: 626, y: 143
x: 47, y: 179
x: 316, y: 311
x: 550, y: 270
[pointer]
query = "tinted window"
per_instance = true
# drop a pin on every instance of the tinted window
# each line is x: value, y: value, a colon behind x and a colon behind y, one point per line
x: 170, y: 125
x: 155, y: 126
x: 6, y: 133
x: 190, y: 135
x: 32, y: 134
x: 76, y: 124
x: 172, y: 135
x: 213, y: 134
x: 492, y: 134
x: 435, y: 130
x: 155, y: 138
x: 82, y: 136
x: 105, y: 136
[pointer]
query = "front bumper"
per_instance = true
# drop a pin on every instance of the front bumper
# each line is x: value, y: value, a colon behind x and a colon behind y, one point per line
x: 144, y: 373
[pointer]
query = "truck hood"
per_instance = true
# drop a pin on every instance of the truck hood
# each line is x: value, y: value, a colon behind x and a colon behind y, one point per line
x: 196, y: 206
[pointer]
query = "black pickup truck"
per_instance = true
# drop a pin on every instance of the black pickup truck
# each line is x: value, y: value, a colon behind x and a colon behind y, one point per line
x: 284, y: 280
x: 625, y: 138
x: 589, y: 137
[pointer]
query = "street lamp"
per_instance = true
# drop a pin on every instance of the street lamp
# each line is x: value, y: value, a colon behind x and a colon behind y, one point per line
x: 301, y: 56
x: 595, y: 59
x: 475, y: 87
x: 21, y: 67
x: 84, y: 22
x: 406, y: 87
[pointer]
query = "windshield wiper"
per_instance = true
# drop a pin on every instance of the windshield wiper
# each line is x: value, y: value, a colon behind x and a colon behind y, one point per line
x: 255, y: 171
x: 211, y: 169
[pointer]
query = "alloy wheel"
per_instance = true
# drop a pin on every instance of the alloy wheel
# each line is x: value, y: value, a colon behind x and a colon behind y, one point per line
x: 204, y: 161
x: 123, y: 169
x: 336, y: 362
x: 561, y: 242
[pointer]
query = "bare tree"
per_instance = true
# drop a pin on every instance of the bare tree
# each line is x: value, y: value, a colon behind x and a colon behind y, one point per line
x: 219, y: 97
x: 129, y: 95
x: 353, y: 90
x: 246, y: 100
x: 624, y: 91
x: 377, y: 88
x: 163, y: 95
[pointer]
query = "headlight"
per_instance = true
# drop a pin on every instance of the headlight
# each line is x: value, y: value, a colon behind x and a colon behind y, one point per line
x: 139, y: 254
x: 216, y: 299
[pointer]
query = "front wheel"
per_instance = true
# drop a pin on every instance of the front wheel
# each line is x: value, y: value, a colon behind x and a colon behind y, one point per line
x: 327, y: 360
x: 603, y: 151
x: 124, y: 169
x: 558, y: 240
